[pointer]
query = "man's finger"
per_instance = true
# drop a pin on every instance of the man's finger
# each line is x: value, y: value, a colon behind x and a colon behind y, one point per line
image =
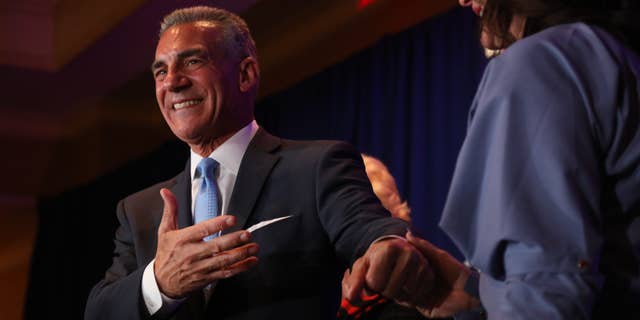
x: 169, y: 212
x: 228, y: 241
x: 383, y: 257
x: 421, y: 287
x: 199, y: 231
x: 356, y: 280
x: 402, y: 269
x: 226, y: 259
x: 234, y: 269
x: 205, y: 250
x: 414, y: 285
x: 345, y: 282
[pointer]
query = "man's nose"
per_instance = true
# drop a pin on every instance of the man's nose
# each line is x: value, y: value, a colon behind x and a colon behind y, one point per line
x: 176, y: 81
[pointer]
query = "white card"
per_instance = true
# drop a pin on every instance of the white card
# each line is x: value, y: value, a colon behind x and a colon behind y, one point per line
x: 262, y: 224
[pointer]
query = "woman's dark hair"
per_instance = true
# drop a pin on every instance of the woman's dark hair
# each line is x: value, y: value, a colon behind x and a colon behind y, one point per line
x: 620, y: 17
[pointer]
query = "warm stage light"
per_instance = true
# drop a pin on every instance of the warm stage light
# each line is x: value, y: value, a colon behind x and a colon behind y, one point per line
x: 364, y: 3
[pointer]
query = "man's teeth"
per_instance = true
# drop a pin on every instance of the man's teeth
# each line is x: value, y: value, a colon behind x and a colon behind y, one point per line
x: 181, y: 105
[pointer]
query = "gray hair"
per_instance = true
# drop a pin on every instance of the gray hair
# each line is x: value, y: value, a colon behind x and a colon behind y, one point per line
x: 236, y: 37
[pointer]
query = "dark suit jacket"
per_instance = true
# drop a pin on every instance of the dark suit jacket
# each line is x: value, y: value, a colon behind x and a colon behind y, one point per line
x: 301, y: 259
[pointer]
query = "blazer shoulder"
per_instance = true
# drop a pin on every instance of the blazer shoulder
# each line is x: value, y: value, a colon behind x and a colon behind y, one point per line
x: 313, y: 153
x: 273, y: 144
x: 317, y: 146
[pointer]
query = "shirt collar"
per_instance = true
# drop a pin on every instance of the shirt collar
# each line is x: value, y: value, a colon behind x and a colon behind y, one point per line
x: 230, y: 153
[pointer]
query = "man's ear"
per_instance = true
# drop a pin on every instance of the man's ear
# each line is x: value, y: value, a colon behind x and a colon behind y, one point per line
x: 249, y: 74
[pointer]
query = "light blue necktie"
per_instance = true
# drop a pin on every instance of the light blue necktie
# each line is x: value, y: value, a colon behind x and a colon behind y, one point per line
x: 206, y: 206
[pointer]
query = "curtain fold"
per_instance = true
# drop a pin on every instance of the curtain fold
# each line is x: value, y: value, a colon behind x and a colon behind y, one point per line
x: 404, y: 100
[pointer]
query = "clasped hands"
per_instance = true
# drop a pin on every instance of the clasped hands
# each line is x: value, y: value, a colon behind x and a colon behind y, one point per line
x: 184, y: 263
x: 414, y: 273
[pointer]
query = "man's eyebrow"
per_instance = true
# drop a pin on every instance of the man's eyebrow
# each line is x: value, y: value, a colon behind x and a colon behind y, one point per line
x: 157, y: 64
x: 182, y: 55
x: 190, y: 53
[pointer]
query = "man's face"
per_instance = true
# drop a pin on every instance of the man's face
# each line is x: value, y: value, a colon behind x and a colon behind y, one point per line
x: 196, y: 83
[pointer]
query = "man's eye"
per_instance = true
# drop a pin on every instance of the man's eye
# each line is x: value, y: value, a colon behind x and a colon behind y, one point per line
x: 192, y: 62
x: 160, y: 74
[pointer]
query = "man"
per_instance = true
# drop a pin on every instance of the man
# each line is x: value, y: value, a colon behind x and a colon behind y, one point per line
x: 322, y: 210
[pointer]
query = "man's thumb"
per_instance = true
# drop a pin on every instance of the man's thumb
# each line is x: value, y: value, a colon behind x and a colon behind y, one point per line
x: 169, y: 213
x: 425, y: 247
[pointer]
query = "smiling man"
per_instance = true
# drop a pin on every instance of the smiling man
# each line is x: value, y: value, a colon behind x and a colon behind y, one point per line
x: 198, y: 90
x: 182, y: 250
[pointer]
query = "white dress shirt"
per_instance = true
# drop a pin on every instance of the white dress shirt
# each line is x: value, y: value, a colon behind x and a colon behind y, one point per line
x: 228, y: 155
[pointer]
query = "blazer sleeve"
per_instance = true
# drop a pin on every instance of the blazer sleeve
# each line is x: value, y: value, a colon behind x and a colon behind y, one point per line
x: 348, y: 209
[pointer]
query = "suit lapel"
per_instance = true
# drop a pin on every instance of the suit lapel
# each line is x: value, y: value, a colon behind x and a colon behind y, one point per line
x: 193, y: 307
x: 254, y: 169
x: 182, y: 191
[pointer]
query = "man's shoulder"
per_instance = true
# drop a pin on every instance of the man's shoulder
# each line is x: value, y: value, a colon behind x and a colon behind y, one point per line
x: 315, y: 146
x: 311, y: 148
x: 314, y: 152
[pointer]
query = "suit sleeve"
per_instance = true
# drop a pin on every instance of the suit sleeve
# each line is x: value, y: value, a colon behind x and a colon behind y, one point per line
x: 118, y: 295
x: 347, y: 206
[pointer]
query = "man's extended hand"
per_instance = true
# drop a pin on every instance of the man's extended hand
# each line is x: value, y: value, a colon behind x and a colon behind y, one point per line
x: 394, y: 268
x: 448, y: 296
x: 185, y: 263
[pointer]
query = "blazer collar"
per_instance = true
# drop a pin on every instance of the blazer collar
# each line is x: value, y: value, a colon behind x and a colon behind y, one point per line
x: 256, y: 165
x: 193, y: 307
x: 182, y: 191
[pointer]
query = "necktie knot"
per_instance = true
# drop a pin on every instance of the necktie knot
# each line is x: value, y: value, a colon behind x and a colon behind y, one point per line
x: 207, y: 167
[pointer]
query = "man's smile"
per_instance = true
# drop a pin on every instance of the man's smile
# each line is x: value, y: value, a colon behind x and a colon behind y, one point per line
x: 186, y: 103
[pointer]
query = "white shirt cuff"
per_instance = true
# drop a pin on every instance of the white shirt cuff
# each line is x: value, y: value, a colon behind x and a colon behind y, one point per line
x: 153, y: 298
x: 387, y: 237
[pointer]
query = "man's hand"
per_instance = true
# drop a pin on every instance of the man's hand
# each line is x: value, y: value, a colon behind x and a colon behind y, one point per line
x: 185, y: 263
x: 394, y: 268
x: 448, y: 296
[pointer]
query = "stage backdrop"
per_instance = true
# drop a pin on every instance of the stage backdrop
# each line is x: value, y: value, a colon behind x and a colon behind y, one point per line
x: 404, y: 100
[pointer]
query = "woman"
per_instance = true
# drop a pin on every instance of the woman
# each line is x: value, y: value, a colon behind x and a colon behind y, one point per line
x: 545, y: 196
x: 546, y: 189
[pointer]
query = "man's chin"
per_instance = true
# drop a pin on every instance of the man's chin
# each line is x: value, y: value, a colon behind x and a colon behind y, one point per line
x: 186, y: 136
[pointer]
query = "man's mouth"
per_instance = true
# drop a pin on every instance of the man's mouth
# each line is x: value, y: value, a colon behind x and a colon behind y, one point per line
x: 187, y: 103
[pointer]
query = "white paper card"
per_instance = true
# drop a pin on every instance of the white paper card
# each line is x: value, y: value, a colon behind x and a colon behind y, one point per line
x: 262, y: 224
